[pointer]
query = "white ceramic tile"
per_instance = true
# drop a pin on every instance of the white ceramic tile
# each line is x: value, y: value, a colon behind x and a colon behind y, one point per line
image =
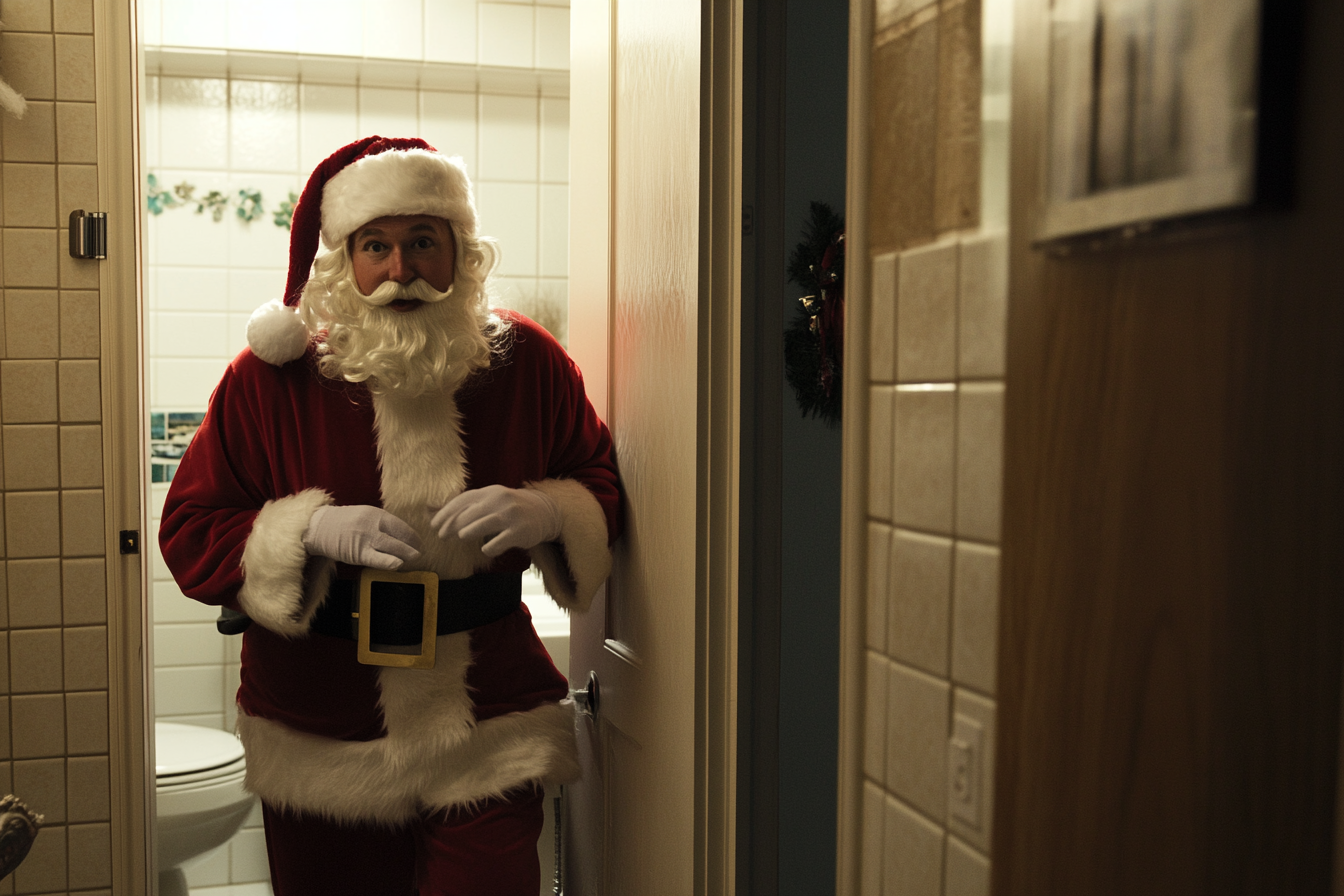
x: 328, y: 120
x: 179, y: 690
x: 874, y: 811
x: 183, y: 335
x: 195, y: 23
x: 248, y: 857
x: 509, y: 138
x: 393, y: 29
x: 882, y: 319
x: 967, y: 872
x: 448, y: 123
x: 186, y: 238
x: 236, y: 333
x: 195, y: 290
x: 202, y: 720
x: 917, y: 726
x: 388, y: 112
x: 508, y: 212
x: 248, y: 290
x: 150, y: 127
x: 259, y: 243
x: 921, y: 598
x: 879, y: 583
x: 170, y: 605
x: 979, y: 460
x: 270, y: 25
x: 914, y: 853
x: 875, y: 716
x: 881, y: 404
x: 983, y: 306
x: 331, y: 27
x: 552, y: 37
x: 554, y: 231
x: 450, y: 31
x: 926, y: 314
x: 264, y: 127
x: 184, y: 383
x: 194, y: 123
x: 189, y: 644
x: 922, y: 458
x: 210, y: 871
x: 506, y: 37
x: 554, y: 140
x: 150, y: 15
x: 975, y: 616
x: 976, y: 712
x: 158, y: 494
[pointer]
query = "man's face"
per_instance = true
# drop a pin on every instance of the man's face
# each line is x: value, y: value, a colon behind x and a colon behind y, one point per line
x: 403, y: 248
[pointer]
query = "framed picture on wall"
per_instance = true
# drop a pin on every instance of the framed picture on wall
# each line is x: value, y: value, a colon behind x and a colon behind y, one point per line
x: 1152, y: 111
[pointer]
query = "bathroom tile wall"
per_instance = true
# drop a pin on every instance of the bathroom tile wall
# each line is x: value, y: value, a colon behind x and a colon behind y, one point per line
x: 204, y: 278
x: 935, y: 422
x: 53, y: 596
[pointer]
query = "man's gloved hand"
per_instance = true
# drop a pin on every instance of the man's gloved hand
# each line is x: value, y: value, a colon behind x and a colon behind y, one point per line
x: 361, y: 535
x: 516, y: 517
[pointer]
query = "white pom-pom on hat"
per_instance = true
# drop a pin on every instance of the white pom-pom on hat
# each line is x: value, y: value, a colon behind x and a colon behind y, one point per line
x: 276, y: 334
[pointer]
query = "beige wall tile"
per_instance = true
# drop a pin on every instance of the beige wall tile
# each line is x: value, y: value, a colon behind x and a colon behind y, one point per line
x: 31, y: 457
x: 957, y: 190
x: 86, y: 722
x: 74, y: 68
x: 81, y: 456
x: 870, y: 868
x: 979, y: 460
x: 30, y: 257
x: 983, y: 306
x: 879, y: 566
x: 975, y: 616
x: 76, y: 133
x: 967, y: 871
x: 6, y: 711
x: 980, y: 711
x: 88, y: 789
x: 893, y: 12
x: 4, y: 594
x: 84, y: 591
x: 41, y: 784
x: 80, y: 330
x: 26, y: 15
x: 86, y: 658
x: 90, y: 856
x: 35, y: 661
x: 922, y: 458
x: 78, y: 189
x: 28, y: 391
x: 31, y: 138
x: 29, y: 194
x: 34, y: 591
x: 914, y: 853
x: 38, y: 726
x: 4, y: 662
x: 76, y: 273
x: 902, y: 139
x: 44, y: 871
x: 82, y: 527
x: 32, y: 323
x: 36, y: 525
x: 81, y: 401
x: 28, y: 63
x: 917, y: 720
x: 926, y: 315
x: 882, y: 335
x: 880, y: 404
x: 875, y: 717
x: 921, y: 597
x: 73, y: 16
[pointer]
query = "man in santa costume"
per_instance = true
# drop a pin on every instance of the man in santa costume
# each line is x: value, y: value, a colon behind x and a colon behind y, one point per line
x: 395, y: 423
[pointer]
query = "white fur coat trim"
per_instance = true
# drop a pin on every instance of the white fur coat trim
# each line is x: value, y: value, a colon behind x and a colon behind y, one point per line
x: 392, y: 780
x: 396, y: 182
x: 576, y: 567
x: 283, y: 586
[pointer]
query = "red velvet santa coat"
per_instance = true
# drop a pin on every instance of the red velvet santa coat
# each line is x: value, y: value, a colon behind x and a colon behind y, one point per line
x: 324, y: 733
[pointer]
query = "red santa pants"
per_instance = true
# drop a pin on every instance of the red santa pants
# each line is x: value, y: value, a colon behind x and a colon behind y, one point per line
x: 492, y: 850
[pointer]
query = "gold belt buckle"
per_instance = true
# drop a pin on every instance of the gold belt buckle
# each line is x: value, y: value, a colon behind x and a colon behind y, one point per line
x: 429, y: 627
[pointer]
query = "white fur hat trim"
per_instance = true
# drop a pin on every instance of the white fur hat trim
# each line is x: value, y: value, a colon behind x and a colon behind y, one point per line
x: 276, y: 334
x: 400, y: 182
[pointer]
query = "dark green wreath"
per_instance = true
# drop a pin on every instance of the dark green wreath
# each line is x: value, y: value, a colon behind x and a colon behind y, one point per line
x: 814, y: 339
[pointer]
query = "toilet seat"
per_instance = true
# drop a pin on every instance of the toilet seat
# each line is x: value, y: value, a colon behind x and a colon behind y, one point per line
x: 190, y: 752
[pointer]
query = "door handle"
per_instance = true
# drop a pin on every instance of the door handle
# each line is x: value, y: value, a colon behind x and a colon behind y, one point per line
x: 587, y: 699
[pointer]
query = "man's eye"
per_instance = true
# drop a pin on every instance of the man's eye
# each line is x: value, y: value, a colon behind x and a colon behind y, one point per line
x: 424, y: 243
x: 373, y: 246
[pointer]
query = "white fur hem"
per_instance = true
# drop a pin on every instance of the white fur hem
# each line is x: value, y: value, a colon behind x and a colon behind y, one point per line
x: 282, y: 585
x: 574, y: 568
x: 376, y: 781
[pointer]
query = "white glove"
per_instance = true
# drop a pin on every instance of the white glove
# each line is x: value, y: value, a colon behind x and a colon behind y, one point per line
x: 516, y: 517
x: 361, y: 535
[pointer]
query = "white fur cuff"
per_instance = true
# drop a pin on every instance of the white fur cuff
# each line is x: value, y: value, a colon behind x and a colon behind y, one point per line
x: 574, y: 568
x: 282, y: 585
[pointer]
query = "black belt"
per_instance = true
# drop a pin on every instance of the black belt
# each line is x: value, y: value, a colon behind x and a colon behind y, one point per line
x: 464, y: 604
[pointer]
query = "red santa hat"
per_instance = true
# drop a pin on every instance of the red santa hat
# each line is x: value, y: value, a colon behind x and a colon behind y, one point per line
x: 367, y: 179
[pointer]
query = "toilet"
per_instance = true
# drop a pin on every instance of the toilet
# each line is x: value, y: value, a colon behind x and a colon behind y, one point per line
x: 199, y: 791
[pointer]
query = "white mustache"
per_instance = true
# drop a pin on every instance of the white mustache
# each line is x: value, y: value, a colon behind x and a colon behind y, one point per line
x: 390, y: 291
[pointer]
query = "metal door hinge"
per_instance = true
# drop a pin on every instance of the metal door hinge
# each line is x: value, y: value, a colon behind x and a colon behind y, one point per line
x: 88, y: 234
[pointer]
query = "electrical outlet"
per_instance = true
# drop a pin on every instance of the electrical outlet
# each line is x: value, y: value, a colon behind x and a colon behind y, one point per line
x: 965, y: 749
